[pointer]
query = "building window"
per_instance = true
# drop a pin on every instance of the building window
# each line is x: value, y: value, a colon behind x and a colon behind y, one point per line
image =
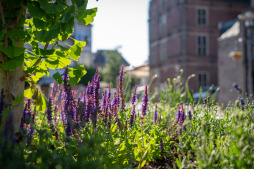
x: 163, y: 23
x: 202, y: 79
x: 163, y: 51
x: 202, y: 46
x: 201, y: 17
x: 87, y: 40
x: 163, y: 5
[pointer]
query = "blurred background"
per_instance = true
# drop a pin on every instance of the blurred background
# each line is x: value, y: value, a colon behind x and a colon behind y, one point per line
x: 156, y: 39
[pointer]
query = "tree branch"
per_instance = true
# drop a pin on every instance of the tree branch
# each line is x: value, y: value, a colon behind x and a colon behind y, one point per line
x: 2, y: 12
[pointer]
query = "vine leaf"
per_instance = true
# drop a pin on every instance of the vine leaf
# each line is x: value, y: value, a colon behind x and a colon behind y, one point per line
x: 12, y: 51
x: 13, y: 63
x: 46, y: 35
x: 35, y: 10
x: 86, y: 17
x: 76, y: 49
x: 58, y: 77
x: 75, y: 74
x: 18, y: 99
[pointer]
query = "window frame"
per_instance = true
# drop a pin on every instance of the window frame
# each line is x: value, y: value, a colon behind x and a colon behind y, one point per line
x: 202, y: 83
x: 198, y: 17
x: 203, y: 47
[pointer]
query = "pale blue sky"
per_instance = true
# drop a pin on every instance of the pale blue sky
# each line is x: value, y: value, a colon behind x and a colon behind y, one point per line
x: 122, y: 23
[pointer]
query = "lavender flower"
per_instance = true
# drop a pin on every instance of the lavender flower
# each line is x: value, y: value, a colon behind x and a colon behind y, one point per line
x: 96, y: 91
x: 134, y: 96
x: 145, y: 102
x: 178, y: 112
x: 23, y: 119
x: 182, y: 117
x: 155, y: 115
x: 65, y: 79
x: 121, y: 88
x: 132, y: 116
x: 49, y: 111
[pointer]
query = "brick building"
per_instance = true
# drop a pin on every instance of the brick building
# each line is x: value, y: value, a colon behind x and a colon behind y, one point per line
x: 183, y: 35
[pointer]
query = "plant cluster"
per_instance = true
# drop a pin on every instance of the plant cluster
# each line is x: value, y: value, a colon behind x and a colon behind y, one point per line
x: 87, y: 130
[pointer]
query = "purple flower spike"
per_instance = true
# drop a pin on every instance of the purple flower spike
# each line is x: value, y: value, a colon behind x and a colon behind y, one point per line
x: 134, y: 96
x: 155, y: 115
x: 178, y: 112
x: 121, y: 88
x: 182, y: 116
x: 49, y: 111
x: 96, y: 91
x: 65, y: 79
x: 145, y: 102
x: 132, y: 116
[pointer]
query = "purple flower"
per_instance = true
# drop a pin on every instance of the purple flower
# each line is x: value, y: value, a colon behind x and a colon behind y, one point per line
x: 145, y: 102
x: 65, y: 79
x: 155, y: 115
x: 132, y: 116
x: 23, y: 119
x: 96, y: 91
x: 134, y: 96
x: 182, y: 116
x: 178, y: 112
x: 121, y: 88
x: 49, y: 111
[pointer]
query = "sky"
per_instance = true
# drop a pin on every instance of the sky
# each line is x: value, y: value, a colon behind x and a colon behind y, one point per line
x: 121, y: 24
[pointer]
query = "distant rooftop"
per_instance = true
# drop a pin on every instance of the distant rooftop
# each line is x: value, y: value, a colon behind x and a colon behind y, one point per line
x: 101, y: 57
x: 234, y: 30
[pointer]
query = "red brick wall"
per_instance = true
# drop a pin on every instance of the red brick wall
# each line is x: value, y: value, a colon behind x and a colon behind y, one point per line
x: 217, y: 12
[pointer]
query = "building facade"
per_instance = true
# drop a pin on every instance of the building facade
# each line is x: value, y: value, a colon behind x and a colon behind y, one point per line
x: 183, y: 35
x: 84, y: 33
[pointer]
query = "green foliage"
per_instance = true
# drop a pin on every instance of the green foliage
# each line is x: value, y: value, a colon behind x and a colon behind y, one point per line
x: 113, y: 64
x: 88, y: 76
x: 49, y: 26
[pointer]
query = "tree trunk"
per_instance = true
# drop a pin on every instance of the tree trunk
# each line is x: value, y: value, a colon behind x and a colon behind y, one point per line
x: 13, y: 82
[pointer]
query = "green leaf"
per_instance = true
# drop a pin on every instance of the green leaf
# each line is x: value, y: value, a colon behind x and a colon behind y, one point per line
x: 46, y: 35
x: 13, y: 63
x: 58, y: 77
x: 21, y: 21
x: 15, y: 33
x: 55, y: 62
x: 178, y: 163
x: 86, y: 16
x: 38, y: 23
x: 76, y: 49
x: 75, y: 74
x: 12, y: 51
x: 44, y: 52
x: 2, y: 34
x: 29, y: 93
x: 41, y: 104
x: 34, y: 10
x: 52, y: 8
x: 18, y: 99
x: 68, y: 14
